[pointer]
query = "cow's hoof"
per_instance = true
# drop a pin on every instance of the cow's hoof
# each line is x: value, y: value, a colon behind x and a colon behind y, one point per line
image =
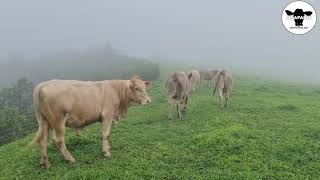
x: 45, y: 165
x: 72, y: 161
x: 106, y: 155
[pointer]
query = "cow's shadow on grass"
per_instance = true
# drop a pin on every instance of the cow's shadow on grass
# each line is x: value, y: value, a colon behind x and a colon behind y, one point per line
x: 262, y: 89
x: 288, y: 107
x: 77, y: 142
x: 86, y: 150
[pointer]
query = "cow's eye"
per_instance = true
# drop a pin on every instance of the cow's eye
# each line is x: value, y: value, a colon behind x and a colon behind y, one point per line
x: 137, y: 89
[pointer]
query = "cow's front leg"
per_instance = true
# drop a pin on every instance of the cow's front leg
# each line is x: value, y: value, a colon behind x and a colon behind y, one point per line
x: 106, y: 126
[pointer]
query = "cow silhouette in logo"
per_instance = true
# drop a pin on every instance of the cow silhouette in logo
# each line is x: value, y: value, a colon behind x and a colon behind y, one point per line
x: 298, y: 16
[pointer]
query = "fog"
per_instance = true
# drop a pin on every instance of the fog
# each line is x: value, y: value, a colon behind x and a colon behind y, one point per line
x: 246, y: 36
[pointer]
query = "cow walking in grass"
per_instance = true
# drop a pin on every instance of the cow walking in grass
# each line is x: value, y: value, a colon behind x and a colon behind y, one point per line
x: 223, y: 84
x: 208, y: 75
x: 194, y: 79
x: 177, y: 86
x: 76, y: 104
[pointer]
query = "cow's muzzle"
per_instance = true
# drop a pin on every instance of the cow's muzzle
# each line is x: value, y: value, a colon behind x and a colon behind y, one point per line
x: 147, y: 101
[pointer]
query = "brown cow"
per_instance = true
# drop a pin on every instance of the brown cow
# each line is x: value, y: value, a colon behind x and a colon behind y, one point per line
x: 194, y: 79
x: 76, y: 104
x: 224, y: 83
x: 177, y: 86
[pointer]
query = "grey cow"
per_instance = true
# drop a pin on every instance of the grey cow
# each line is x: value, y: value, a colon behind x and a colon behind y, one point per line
x: 223, y: 83
x: 208, y: 75
x: 194, y: 79
x: 178, y: 88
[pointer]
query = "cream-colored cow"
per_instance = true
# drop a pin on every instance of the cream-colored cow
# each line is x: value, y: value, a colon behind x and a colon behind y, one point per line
x: 76, y: 104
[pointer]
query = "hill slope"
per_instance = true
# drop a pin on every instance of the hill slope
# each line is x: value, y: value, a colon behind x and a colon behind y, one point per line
x: 97, y: 64
x: 270, y: 131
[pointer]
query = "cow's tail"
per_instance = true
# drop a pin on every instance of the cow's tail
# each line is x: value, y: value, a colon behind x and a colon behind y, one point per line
x: 221, y: 73
x: 43, y: 125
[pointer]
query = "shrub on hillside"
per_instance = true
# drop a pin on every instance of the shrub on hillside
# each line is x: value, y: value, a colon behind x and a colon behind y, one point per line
x: 13, y: 125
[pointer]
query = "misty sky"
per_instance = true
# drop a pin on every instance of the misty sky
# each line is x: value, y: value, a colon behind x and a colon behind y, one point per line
x: 244, y: 34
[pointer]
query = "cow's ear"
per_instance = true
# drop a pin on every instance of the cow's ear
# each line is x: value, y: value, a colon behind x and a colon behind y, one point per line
x: 308, y: 13
x: 135, y: 77
x: 289, y: 13
x: 148, y: 84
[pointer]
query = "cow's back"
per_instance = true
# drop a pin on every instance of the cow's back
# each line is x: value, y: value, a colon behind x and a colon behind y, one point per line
x: 177, y: 85
x: 224, y: 80
x: 195, y: 76
x: 183, y: 80
x: 228, y: 81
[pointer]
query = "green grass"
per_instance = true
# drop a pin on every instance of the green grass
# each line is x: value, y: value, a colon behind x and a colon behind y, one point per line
x: 270, y: 131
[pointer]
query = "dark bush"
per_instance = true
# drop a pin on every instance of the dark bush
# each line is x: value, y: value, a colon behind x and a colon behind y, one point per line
x: 288, y: 107
x: 14, y: 125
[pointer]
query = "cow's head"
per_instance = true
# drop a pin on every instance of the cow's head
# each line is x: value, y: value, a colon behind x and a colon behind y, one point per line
x: 138, y: 95
x: 298, y: 16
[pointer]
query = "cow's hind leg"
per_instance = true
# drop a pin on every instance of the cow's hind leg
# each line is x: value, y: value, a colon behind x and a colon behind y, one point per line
x: 43, y: 141
x: 78, y: 131
x: 170, y: 104
x: 227, y: 98
x: 178, y: 109
x: 220, y: 93
x: 185, y: 104
x: 59, y: 131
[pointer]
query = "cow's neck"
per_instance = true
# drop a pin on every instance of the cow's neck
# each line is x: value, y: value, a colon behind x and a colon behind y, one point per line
x: 122, y: 88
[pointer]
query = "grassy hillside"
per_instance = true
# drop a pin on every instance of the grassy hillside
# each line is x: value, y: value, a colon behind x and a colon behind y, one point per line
x: 271, y: 130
